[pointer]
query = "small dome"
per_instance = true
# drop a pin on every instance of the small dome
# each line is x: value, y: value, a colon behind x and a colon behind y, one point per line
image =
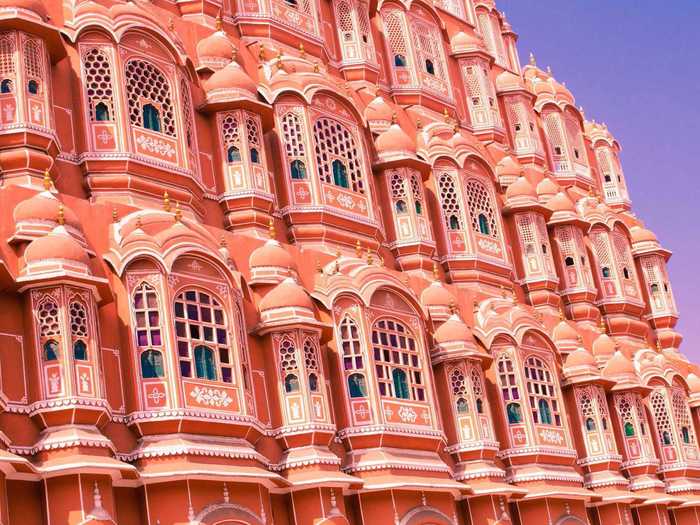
x: 44, y: 207
x: 547, y: 187
x: 57, y: 245
x: 562, y: 91
x: 543, y: 87
x: 378, y: 109
x: 578, y: 358
x: 393, y: 140
x: 287, y: 294
x: 217, y: 47
x: 618, y: 365
x: 641, y: 234
x: 603, y: 346
x: 459, y: 141
x: 453, y: 330
x: 271, y: 254
x: 562, y: 203
x: 508, y: 81
x: 693, y: 383
x: 520, y: 188
x: 232, y: 77
x: 508, y: 167
x: 437, y: 295
x: 461, y: 41
x: 564, y: 332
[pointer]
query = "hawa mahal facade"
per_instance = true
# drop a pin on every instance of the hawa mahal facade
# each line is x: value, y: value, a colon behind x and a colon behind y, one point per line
x: 322, y: 262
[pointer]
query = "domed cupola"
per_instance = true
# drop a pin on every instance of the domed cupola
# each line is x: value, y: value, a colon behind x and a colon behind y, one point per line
x: 580, y: 367
x: 231, y: 87
x: 56, y: 253
x: 565, y: 336
x: 286, y: 304
x: 508, y: 170
x: 215, y: 51
x: 694, y: 388
x: 603, y: 348
x: 521, y: 196
x: 463, y: 44
x: 395, y: 148
x: 621, y: 370
x: 454, y: 340
x: 271, y: 263
x: 379, y: 114
x: 30, y: 7
x: 563, y: 210
x: 437, y: 299
x: 546, y: 189
x: 37, y: 216
x: 508, y: 82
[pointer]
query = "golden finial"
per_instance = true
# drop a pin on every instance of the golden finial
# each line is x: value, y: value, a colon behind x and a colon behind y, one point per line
x: 171, y: 24
x: 561, y: 314
x: 549, y: 70
x: 61, y: 219
x: 138, y: 223
x: 234, y: 54
x: 436, y: 273
x: 319, y: 268
x: 47, y: 180
x: 504, y: 294
x: 279, y: 60
x: 452, y: 306
x: 602, y: 326
x: 271, y: 229
x: 475, y: 305
x: 302, y: 53
x: 658, y: 345
x: 370, y: 257
x: 419, y: 123
x: 222, y: 242
x: 261, y: 52
x: 455, y: 128
x: 219, y: 22
x: 579, y: 338
x: 115, y: 217
x: 337, y: 266
x: 446, y: 114
x: 358, y: 249
x: 317, y: 68
x: 533, y: 62
x: 166, y: 202
x: 178, y: 212
x: 338, y: 254
x: 394, y: 118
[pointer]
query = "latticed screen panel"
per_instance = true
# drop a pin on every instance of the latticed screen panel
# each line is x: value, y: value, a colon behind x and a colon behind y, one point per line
x: 7, y: 55
x: 253, y: 132
x: 230, y: 130
x: 187, y: 113
x: 507, y: 380
x: 541, y: 388
x: 49, y: 321
x: 451, y: 6
x: 310, y: 357
x: 288, y: 358
x: 458, y: 383
x: 351, y: 346
x: 397, y: 361
x: 450, y: 202
x: 33, y: 59
x: 681, y: 414
x: 146, y: 84
x: 98, y: 82
x: 78, y: 319
x: 398, y: 190
x: 555, y: 136
x: 603, y: 253
x: 662, y: 418
x: 147, y: 317
x: 623, y: 254
x: 526, y: 229
x: 293, y: 135
x: 481, y: 203
x: 395, y: 35
x: 575, y: 137
x: 334, y: 142
x: 429, y: 46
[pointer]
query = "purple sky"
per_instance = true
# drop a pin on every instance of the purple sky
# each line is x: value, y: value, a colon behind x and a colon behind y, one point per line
x: 633, y: 65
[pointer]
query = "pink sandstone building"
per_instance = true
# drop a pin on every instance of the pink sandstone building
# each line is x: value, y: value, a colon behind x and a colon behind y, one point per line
x: 322, y: 262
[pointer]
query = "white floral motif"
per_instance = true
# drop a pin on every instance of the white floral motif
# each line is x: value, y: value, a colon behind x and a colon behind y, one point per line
x: 489, y: 246
x: 407, y: 414
x: 211, y: 396
x: 346, y: 201
x: 155, y: 146
x: 551, y: 436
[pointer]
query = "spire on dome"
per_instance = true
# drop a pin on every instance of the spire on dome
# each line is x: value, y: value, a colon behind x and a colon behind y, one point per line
x: 358, y: 249
x: 48, y: 183
x: 61, y: 219
x: 533, y: 62
x: 436, y: 274
x: 166, y: 202
x: 271, y: 229
x: 115, y: 217
x: 302, y: 52
x: 178, y: 212
x: 219, y: 22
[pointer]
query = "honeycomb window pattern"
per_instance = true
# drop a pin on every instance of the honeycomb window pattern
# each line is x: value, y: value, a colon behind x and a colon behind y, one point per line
x: 145, y: 83
x: 98, y: 81
x: 480, y: 203
x: 334, y: 142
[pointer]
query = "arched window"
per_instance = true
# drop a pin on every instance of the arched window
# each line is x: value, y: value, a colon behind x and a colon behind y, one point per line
x: 151, y: 117
x: 458, y: 384
x: 338, y: 155
x: 289, y: 366
x: 477, y: 387
x: 357, y: 385
x: 429, y: 66
x: 400, y: 61
x: 354, y: 30
x: 6, y: 86
x: 254, y: 156
x: 51, y: 350
x: 625, y: 273
x: 297, y: 169
x: 542, y: 392
x: 481, y: 204
x: 462, y: 406
x: 401, y: 207
x: 686, y: 434
x: 514, y: 413
x: 202, y: 335
x: 397, y: 361
x: 629, y: 429
x: 396, y: 37
x: 147, y: 86
x: 33, y: 87
x: 253, y: 137
x: 7, y: 62
x: 681, y: 414
x: 33, y: 65
x: 491, y: 31
x: 479, y: 406
x: 187, y: 114
x: 80, y: 351
x: 152, y: 364
x: 147, y: 316
x: 233, y: 154
x: 98, y: 84
x: 205, y: 367
x: 569, y: 261
x: 662, y: 416
x: 605, y: 271
x: 590, y: 424
x: 340, y: 174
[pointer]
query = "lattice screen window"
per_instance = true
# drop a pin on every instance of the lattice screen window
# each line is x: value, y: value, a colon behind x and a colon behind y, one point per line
x: 187, y: 113
x: 491, y: 31
x: 476, y: 382
x: 681, y: 413
x: 294, y: 144
x: 202, y: 337
x: 353, y: 361
x: 603, y: 253
x: 586, y: 409
x: 7, y: 63
x: 149, y: 340
x: 364, y: 27
x: 623, y: 255
x: 397, y: 361
x: 662, y: 417
x: 451, y: 6
x: 417, y: 192
x: 289, y: 368
x: 450, y: 202
x: 429, y: 48
x: 98, y: 84
x: 555, y: 137
x: 48, y: 316
x: 311, y: 365
x: 605, y: 164
x: 398, y: 192
x: 338, y: 158
x: 395, y: 34
x: 509, y: 389
x: 460, y: 391
x: 481, y: 209
x: 149, y: 97
x: 526, y: 232
x: 575, y: 136
x: 33, y: 66
x: 542, y: 392
x: 254, y: 140
x: 231, y: 137
x: 354, y: 28
x: 79, y: 330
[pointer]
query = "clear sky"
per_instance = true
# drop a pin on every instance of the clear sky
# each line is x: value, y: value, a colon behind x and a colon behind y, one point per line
x: 635, y: 65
